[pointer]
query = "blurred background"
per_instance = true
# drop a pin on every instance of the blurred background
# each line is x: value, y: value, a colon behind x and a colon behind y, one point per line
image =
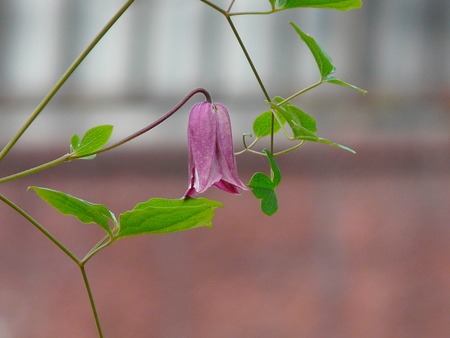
x: 360, y: 244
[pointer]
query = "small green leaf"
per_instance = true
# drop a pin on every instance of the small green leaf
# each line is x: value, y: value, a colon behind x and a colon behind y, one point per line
x: 93, y: 140
x: 331, y: 4
x: 263, y: 186
x: 262, y: 125
x: 86, y: 212
x: 332, y: 79
x: 74, y: 143
x: 323, y: 60
x: 159, y: 215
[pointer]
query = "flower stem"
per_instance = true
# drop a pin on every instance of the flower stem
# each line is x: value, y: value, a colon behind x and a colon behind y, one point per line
x: 91, y: 300
x: 70, y: 157
x: 62, y: 80
x: 157, y: 122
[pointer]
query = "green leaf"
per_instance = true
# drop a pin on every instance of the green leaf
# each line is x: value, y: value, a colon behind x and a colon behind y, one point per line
x: 322, y: 58
x: 301, y: 123
x: 263, y: 186
x: 301, y: 118
x: 331, y: 4
x: 262, y: 125
x: 93, y: 140
x: 274, y: 169
x: 332, y: 79
x: 86, y: 212
x: 159, y: 215
x: 303, y: 126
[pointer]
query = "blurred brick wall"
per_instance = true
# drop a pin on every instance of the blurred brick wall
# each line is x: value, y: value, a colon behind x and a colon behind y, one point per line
x: 359, y: 248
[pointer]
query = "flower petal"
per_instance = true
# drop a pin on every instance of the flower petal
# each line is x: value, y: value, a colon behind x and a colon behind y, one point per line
x: 211, y: 154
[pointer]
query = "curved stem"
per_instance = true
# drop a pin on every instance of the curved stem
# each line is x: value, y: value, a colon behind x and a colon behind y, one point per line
x: 156, y: 123
x: 91, y: 300
x: 40, y: 228
x: 62, y: 80
x: 298, y: 145
x: 248, y: 147
x: 103, y: 243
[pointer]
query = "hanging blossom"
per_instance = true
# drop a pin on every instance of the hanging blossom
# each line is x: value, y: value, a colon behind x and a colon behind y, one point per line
x: 211, y: 154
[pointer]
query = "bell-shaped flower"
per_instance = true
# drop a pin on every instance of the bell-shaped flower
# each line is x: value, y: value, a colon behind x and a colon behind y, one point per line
x: 211, y: 154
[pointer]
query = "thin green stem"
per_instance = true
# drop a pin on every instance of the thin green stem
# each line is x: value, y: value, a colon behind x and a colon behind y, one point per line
x: 217, y: 8
x: 103, y: 243
x: 255, y: 73
x: 91, y: 300
x: 40, y: 228
x: 255, y: 13
x: 230, y: 5
x: 34, y: 170
x: 62, y: 80
x: 249, y: 59
x: 247, y: 148
x: 298, y: 145
x: 228, y: 12
x: 304, y: 90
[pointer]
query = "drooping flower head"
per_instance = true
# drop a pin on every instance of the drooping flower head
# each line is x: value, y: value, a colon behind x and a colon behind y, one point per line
x: 211, y: 154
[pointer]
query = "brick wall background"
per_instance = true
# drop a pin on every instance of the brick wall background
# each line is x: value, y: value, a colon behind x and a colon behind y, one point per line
x: 359, y: 248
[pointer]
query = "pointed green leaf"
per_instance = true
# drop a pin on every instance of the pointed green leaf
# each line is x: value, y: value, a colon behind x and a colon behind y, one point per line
x: 159, y: 215
x: 86, y: 212
x: 322, y: 58
x: 263, y: 124
x: 263, y: 187
x: 332, y: 79
x: 334, y: 144
x: 74, y: 143
x: 331, y: 4
x: 93, y: 140
x: 269, y: 205
x: 301, y: 118
x: 274, y: 169
x: 302, y: 125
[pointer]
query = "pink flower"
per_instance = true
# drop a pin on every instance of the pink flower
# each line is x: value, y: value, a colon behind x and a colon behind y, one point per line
x: 211, y: 154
